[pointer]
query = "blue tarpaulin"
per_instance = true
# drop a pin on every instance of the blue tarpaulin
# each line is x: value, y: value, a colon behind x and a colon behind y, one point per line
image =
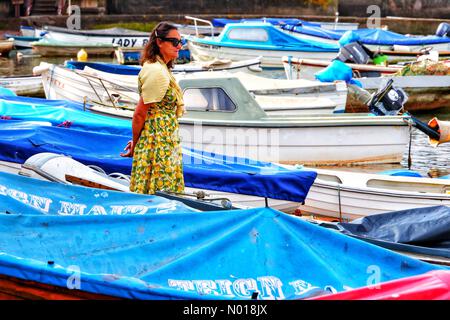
x: 61, y: 113
x: 422, y: 227
x: 369, y: 36
x: 222, y: 22
x: 181, y: 254
x: 276, y: 40
x: 337, y: 70
x: 20, y: 140
x: 37, y: 197
x: 105, y: 67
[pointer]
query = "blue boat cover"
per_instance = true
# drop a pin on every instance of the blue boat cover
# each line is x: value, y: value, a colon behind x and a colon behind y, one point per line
x: 23, y: 195
x: 20, y: 140
x: 222, y: 22
x: 369, y: 36
x: 425, y: 230
x: 105, y: 67
x: 60, y: 113
x: 180, y: 254
x: 276, y: 40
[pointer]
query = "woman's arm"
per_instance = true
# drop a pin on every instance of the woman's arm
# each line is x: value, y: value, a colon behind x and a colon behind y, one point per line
x: 137, y: 125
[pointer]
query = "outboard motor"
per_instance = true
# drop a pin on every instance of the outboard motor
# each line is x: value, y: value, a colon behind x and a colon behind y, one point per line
x: 354, y: 52
x: 388, y: 101
x: 443, y: 30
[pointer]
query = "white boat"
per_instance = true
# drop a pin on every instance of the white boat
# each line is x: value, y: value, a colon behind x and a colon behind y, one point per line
x: 397, y: 47
x: 27, y: 31
x: 298, y: 68
x: 224, y: 118
x: 298, y: 96
x: 425, y: 92
x: 64, y: 169
x: 340, y: 195
x: 50, y: 48
x: 23, y: 85
x: 349, y: 195
x: 275, y: 96
x: 240, y: 41
x: 114, y: 36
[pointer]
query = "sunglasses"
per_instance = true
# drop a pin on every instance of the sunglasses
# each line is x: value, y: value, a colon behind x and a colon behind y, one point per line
x: 174, y: 41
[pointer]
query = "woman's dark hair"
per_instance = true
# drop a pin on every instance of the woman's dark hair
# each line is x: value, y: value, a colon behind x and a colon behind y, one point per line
x: 151, y: 49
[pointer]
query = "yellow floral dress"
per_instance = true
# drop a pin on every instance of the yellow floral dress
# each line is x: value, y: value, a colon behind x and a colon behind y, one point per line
x: 157, y: 159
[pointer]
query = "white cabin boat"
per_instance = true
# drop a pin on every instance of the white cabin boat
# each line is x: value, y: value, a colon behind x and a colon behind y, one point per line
x: 223, y: 117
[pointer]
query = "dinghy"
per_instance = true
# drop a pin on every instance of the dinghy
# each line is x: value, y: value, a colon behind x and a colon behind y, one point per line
x: 51, y: 48
x: 274, y: 95
x: 298, y: 68
x: 347, y: 195
x: 22, y: 42
x: 425, y: 91
x: 24, y: 85
x: 118, y: 37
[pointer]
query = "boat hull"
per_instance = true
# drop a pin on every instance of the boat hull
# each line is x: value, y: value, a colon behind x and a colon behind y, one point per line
x: 71, y: 51
x: 24, y: 86
x: 297, y: 68
x: 355, y: 195
x: 12, y: 288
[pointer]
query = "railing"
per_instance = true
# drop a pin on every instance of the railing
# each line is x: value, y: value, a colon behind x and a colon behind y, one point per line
x: 201, y: 20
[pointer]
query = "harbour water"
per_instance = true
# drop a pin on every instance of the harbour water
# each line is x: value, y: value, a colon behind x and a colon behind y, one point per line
x: 424, y: 158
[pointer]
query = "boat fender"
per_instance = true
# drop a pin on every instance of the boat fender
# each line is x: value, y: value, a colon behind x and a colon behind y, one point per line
x: 82, y: 55
x: 38, y: 70
x: 443, y: 127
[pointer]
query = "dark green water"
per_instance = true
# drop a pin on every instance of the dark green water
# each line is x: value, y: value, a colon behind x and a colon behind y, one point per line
x: 424, y: 158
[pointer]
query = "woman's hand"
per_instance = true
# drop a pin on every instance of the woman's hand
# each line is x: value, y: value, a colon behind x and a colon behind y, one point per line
x: 129, y: 148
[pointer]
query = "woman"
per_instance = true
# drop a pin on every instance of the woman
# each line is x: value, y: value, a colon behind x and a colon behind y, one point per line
x: 155, y: 148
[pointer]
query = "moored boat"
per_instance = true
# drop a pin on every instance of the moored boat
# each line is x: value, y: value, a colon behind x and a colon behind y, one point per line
x: 50, y: 48
x: 22, y: 42
x: 276, y: 96
x: 119, y: 37
x: 297, y: 68
x: 240, y: 41
x: 395, y: 46
x: 224, y: 117
x: 24, y: 85
x: 349, y: 195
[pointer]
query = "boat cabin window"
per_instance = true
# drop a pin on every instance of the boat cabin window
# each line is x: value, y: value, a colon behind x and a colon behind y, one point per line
x: 248, y: 34
x: 207, y: 99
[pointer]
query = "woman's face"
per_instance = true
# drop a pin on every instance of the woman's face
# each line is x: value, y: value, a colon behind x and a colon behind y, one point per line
x: 166, y: 47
